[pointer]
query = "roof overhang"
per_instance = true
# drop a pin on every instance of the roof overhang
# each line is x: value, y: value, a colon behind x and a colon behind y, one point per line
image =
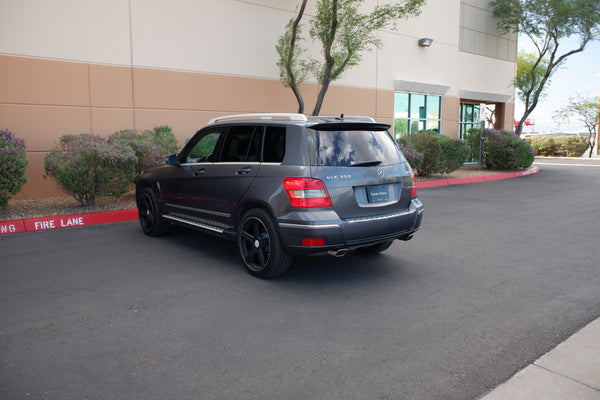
x: 420, y: 87
x: 485, y: 97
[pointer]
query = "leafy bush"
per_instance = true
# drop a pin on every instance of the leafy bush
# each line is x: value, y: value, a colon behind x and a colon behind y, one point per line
x: 163, y: 138
x: 427, y: 143
x: 571, y: 146
x: 87, y: 166
x: 505, y: 150
x: 411, y: 154
x: 12, y: 165
x: 561, y: 146
x: 454, y: 154
x: 440, y: 154
x: 147, y: 154
x: 473, y: 138
x: 544, y: 146
x: 151, y: 148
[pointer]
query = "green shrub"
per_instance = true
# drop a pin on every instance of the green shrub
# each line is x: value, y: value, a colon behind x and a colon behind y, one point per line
x: 561, y: 146
x: 163, y: 138
x: 147, y: 154
x: 411, y: 154
x: 427, y: 143
x: 454, y: 154
x: 87, y: 166
x: 441, y: 154
x: 571, y: 146
x: 505, y: 150
x: 12, y: 166
x: 472, y: 139
x: 544, y: 146
x: 151, y: 148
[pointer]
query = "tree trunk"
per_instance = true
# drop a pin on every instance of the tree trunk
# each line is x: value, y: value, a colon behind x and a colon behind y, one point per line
x: 321, y: 97
x: 299, y: 99
x: 328, y: 60
x: 293, y: 82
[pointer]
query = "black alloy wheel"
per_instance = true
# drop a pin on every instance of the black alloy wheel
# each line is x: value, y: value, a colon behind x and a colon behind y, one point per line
x: 149, y: 214
x: 260, y: 247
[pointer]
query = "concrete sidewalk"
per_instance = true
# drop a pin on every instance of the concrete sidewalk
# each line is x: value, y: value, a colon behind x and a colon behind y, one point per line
x: 580, y: 161
x: 571, y: 371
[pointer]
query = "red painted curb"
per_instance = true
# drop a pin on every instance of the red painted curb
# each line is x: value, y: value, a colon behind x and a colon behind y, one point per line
x: 67, y: 221
x: 472, y: 179
x: 131, y: 214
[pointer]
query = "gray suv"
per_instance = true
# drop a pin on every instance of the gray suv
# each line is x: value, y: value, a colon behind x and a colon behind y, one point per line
x: 284, y: 184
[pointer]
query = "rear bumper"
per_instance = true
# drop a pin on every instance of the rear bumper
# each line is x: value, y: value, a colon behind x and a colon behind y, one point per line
x: 338, y: 234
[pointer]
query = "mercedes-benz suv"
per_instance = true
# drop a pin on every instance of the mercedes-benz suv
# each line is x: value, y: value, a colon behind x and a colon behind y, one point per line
x: 280, y: 185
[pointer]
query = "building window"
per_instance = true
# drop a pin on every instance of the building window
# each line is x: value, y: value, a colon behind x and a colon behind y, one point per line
x: 469, y: 118
x: 479, y: 32
x: 416, y: 112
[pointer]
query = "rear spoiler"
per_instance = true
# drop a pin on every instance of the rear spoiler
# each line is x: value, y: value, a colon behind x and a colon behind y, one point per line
x: 350, y: 126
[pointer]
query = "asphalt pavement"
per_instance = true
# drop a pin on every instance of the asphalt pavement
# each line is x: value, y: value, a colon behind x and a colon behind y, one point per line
x: 484, y: 297
x: 571, y: 371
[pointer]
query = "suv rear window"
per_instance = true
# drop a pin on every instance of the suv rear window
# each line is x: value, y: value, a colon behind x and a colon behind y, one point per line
x: 345, y: 148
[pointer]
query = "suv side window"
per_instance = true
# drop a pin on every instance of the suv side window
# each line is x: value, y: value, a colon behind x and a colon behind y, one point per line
x: 242, y: 144
x: 204, y: 149
x: 274, y: 148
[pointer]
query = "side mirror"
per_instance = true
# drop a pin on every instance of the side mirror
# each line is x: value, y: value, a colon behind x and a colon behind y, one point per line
x: 173, y: 159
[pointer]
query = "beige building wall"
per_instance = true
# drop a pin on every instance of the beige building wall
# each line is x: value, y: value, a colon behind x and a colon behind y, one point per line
x: 99, y: 67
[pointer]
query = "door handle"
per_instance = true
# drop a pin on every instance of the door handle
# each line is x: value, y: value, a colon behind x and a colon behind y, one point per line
x: 243, y: 171
x: 200, y: 172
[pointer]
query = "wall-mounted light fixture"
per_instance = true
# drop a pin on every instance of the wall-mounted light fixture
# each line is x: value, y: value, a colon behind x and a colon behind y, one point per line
x: 425, y: 42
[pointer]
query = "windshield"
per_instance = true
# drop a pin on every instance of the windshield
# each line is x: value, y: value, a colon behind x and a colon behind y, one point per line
x: 353, y: 148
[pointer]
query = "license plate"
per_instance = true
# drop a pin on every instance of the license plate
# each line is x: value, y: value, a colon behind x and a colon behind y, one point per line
x: 378, y: 194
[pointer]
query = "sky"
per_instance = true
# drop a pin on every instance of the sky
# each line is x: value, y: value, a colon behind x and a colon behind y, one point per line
x: 579, y: 74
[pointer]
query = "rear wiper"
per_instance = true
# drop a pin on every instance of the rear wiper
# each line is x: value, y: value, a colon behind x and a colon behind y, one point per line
x: 366, y: 164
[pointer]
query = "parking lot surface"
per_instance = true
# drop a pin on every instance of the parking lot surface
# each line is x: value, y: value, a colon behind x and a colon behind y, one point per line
x: 500, y: 273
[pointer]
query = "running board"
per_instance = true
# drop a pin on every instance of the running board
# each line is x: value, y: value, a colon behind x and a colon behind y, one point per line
x: 194, y: 224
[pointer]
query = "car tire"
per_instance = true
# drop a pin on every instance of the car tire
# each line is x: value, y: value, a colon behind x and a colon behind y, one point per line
x: 376, y: 248
x: 149, y: 214
x: 260, y: 246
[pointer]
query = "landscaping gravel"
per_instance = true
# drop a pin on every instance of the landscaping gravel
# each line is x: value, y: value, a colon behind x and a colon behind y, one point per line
x: 62, y: 205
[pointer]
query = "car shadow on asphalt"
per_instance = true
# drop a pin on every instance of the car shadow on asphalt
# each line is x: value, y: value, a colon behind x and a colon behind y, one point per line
x: 353, y: 268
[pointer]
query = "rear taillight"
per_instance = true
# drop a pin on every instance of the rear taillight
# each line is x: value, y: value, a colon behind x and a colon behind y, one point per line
x: 313, y: 242
x: 306, y: 192
x: 413, y: 191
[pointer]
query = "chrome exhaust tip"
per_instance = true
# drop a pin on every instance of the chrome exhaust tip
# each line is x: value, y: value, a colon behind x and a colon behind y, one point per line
x: 338, y: 253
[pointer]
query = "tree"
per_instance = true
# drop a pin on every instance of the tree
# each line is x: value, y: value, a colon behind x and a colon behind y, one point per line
x: 530, y: 71
x: 585, y: 110
x: 344, y: 33
x: 547, y: 23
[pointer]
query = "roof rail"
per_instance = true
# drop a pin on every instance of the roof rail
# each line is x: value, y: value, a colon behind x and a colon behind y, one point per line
x: 291, y: 117
x: 362, y: 118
